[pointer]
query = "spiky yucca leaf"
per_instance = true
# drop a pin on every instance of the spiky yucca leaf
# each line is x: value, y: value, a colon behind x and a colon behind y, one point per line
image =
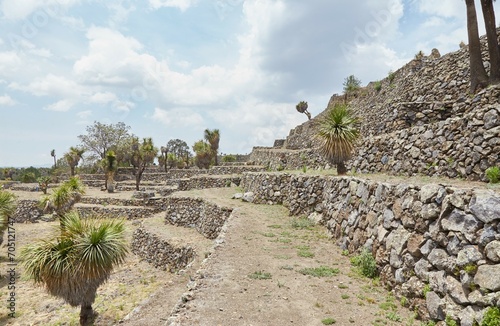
x: 73, y: 264
x: 338, y: 133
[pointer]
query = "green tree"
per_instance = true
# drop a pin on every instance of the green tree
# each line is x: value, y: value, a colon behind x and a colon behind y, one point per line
x: 203, y: 155
x: 110, y: 168
x: 351, y: 84
x: 73, y: 157
x: 101, y: 138
x: 338, y: 133
x: 212, y: 137
x: 7, y: 210
x: 73, y: 264
x: 302, y: 108
x: 180, y: 150
x: 142, y: 155
x: 62, y: 198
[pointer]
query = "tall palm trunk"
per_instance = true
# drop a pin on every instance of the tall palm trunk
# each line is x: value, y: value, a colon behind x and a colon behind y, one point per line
x: 491, y: 34
x: 478, y: 76
x: 341, y: 169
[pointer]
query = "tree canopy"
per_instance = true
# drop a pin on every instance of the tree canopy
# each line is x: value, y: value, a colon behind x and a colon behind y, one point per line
x: 101, y: 138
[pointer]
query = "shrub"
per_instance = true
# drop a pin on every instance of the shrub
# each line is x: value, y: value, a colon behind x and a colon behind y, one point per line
x: 378, y: 86
x: 493, y: 174
x: 365, y: 262
x: 328, y: 321
x: 351, y: 84
x: 391, y: 76
x: 229, y: 158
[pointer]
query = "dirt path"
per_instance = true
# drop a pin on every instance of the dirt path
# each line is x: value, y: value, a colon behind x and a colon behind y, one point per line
x: 259, y: 276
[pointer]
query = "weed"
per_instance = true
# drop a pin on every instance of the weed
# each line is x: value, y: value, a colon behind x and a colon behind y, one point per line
x: 302, y: 223
x: 491, y: 317
x: 328, y: 321
x: 287, y: 267
x: 260, y: 275
x: 390, y: 76
x: 378, y: 86
x: 470, y: 269
x: 493, y: 174
x: 393, y: 316
x: 274, y: 226
x: 345, y: 252
x: 304, y: 251
x: 268, y: 234
x: 282, y: 257
x: 280, y: 285
x: 345, y: 296
x: 322, y: 271
x: 426, y: 289
x: 450, y: 321
x: 343, y: 286
x: 366, y: 264
x: 304, y: 168
x: 318, y: 305
x: 404, y: 301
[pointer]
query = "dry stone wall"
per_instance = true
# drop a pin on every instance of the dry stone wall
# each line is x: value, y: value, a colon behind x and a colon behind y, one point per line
x: 434, y: 236
x: 27, y: 211
x: 159, y: 252
x: 206, y: 182
x: 207, y: 218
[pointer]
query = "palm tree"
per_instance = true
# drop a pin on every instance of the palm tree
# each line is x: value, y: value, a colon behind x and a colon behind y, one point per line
x: 491, y: 35
x: 7, y: 210
x: 73, y: 157
x: 111, y: 166
x: 73, y: 264
x: 53, y: 154
x: 338, y: 133
x: 302, y: 108
x: 213, y: 137
x: 62, y: 198
x: 478, y: 76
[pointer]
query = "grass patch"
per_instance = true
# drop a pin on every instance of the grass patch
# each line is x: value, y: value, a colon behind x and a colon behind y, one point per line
x: 345, y: 296
x: 274, y: 226
x: 322, y: 271
x: 305, y: 251
x: 328, y: 321
x: 260, y: 275
x: 301, y: 223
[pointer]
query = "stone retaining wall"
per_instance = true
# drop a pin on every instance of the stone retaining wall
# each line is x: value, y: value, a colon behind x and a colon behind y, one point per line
x: 439, y: 237
x: 160, y: 253
x: 205, y: 217
x: 129, y: 213
x: 27, y: 211
x: 207, y: 182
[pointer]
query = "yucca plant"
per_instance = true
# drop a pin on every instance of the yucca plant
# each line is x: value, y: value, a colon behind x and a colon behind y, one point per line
x: 7, y: 210
x: 62, y: 198
x: 338, y: 132
x: 76, y: 261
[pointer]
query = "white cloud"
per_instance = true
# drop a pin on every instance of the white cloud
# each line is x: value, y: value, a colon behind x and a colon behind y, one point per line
x: 16, y: 10
x: 183, y: 5
x: 6, y: 100
x: 10, y: 62
x: 84, y: 114
x: 60, y: 106
x: 51, y: 85
x: 178, y: 117
x: 103, y: 98
x: 443, y: 8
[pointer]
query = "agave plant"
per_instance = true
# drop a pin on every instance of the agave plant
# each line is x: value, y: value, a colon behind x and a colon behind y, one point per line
x: 74, y: 263
x: 7, y: 210
x: 338, y: 133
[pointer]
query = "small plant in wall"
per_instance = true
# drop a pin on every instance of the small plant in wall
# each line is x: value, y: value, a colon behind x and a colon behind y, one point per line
x: 491, y: 317
x: 365, y: 263
x: 493, y: 174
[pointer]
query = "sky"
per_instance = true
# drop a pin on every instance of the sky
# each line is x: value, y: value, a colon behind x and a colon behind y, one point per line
x: 173, y: 68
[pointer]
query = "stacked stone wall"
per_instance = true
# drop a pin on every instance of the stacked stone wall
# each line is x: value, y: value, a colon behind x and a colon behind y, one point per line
x: 161, y: 253
x: 205, y: 217
x: 206, y: 182
x: 433, y: 236
x: 27, y: 211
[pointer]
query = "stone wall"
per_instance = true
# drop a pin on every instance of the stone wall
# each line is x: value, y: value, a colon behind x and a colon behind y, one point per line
x: 27, y: 211
x: 440, y: 237
x: 205, y: 217
x: 129, y: 213
x: 160, y: 253
x: 206, y: 182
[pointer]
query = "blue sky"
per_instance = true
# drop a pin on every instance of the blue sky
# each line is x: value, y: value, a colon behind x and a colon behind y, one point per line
x: 172, y: 68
